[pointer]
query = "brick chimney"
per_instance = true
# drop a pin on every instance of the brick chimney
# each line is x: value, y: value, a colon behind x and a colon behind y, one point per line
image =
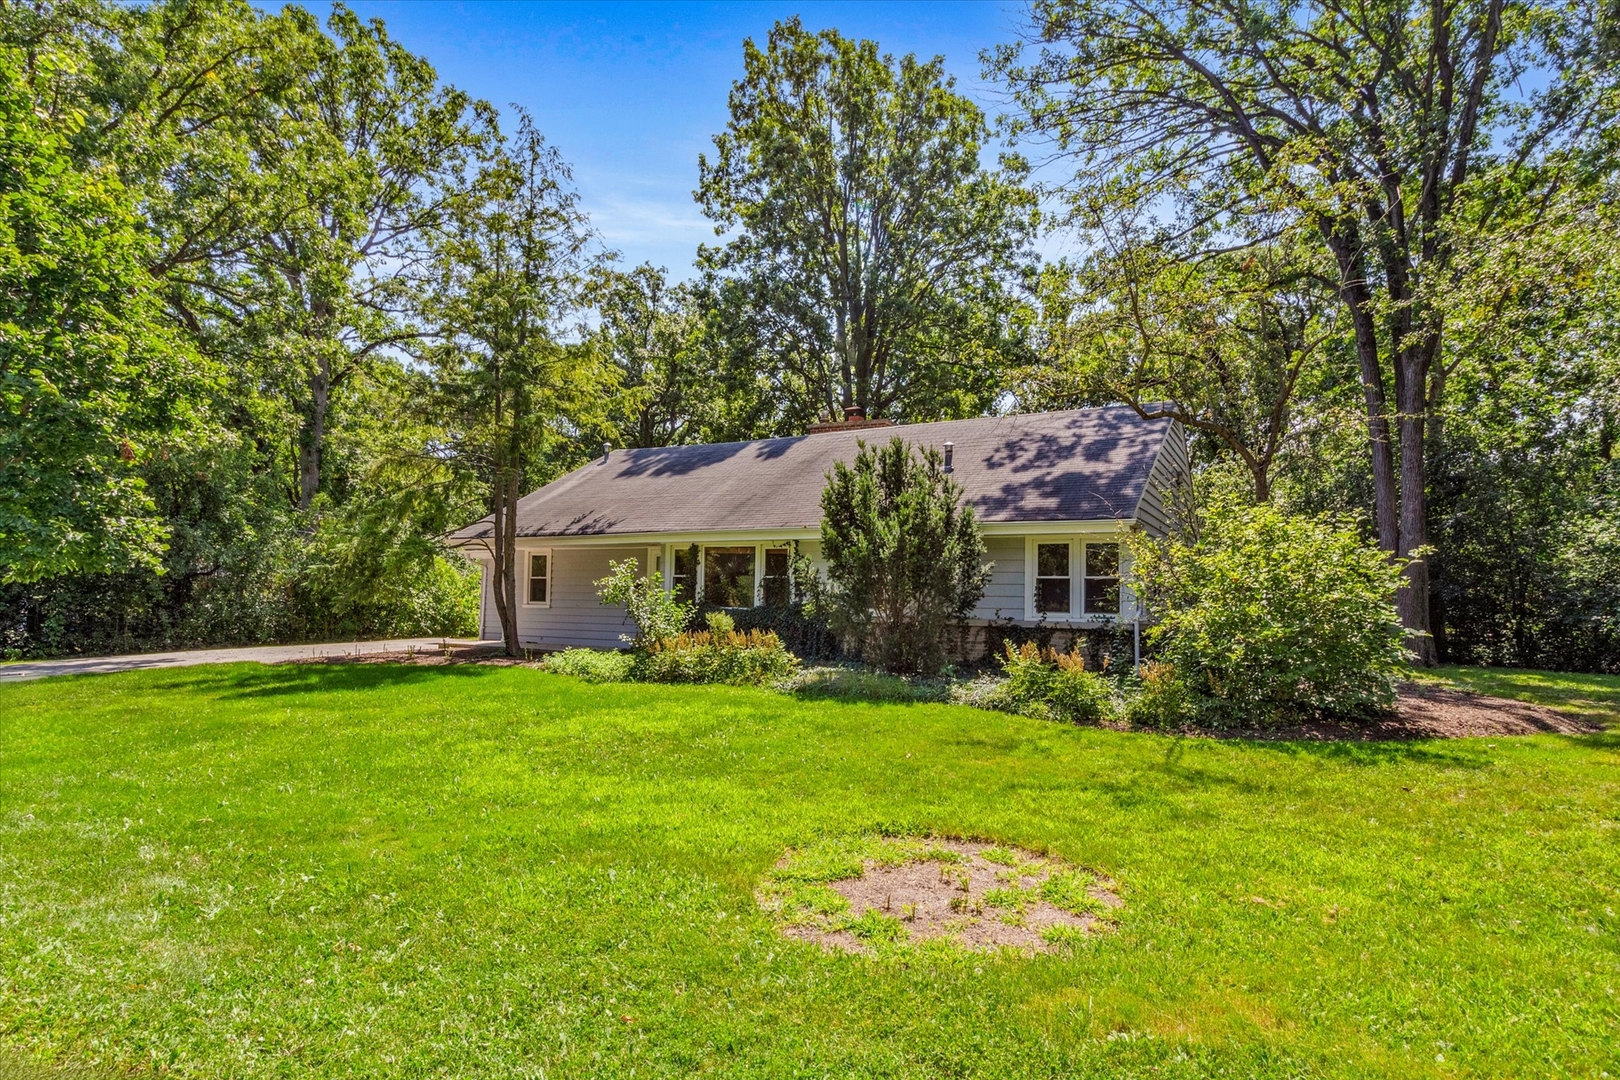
x: 854, y: 420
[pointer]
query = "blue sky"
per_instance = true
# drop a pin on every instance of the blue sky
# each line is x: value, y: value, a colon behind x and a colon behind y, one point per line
x: 631, y: 93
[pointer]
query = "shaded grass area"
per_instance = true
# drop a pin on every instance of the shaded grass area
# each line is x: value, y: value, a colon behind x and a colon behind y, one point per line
x: 1595, y: 697
x: 431, y: 871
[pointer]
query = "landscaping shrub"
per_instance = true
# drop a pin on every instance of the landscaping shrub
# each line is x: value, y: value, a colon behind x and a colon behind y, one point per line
x: 1078, y: 695
x: 592, y: 665
x: 1158, y: 699
x: 905, y: 559
x: 665, y: 652
x: 1268, y: 619
x: 658, y: 614
x: 1045, y: 682
x: 1028, y: 681
x: 1111, y: 645
x: 720, y: 654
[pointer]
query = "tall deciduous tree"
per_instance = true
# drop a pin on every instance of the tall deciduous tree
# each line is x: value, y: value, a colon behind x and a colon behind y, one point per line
x: 511, y: 273
x: 89, y: 385
x: 864, y: 217
x: 364, y: 159
x: 652, y: 332
x: 1372, y: 125
x: 1226, y: 345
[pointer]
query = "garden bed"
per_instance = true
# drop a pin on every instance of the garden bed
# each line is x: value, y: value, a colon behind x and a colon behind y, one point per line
x: 1422, y: 710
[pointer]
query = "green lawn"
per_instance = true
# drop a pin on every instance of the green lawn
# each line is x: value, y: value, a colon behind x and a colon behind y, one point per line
x: 394, y: 871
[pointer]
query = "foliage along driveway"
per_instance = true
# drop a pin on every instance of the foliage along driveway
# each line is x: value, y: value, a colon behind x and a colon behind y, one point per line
x: 324, y: 870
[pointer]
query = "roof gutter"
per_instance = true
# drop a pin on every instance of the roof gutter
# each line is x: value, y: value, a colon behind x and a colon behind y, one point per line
x: 793, y: 532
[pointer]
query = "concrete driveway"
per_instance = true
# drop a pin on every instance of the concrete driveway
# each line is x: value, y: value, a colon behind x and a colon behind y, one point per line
x: 257, y: 654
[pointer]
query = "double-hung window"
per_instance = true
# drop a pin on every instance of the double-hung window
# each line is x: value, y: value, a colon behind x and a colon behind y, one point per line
x: 1102, y: 579
x: 1053, y: 583
x: 773, y: 584
x: 538, y: 592
x: 683, y: 579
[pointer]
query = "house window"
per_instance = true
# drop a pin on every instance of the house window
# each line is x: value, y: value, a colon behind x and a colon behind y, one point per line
x: 1102, y: 579
x: 774, y: 585
x: 683, y: 580
x: 728, y: 576
x: 539, y: 578
x: 1052, y: 579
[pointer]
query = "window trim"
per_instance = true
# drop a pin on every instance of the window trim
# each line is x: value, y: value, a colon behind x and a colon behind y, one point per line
x: 1077, y: 578
x: 1035, y: 579
x: 1118, y: 577
x: 671, y: 552
x: 528, y: 576
x: 760, y: 558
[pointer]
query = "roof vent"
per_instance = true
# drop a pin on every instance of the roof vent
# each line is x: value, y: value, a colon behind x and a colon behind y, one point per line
x: 949, y: 447
x: 607, y: 448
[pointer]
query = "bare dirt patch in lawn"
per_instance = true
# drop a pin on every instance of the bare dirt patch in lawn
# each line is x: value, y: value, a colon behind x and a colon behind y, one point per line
x: 1459, y: 713
x: 872, y: 893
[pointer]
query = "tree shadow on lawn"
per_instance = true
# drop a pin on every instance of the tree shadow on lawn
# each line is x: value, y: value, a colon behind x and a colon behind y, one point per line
x: 1445, y: 753
x: 1470, y: 753
x: 1594, y: 697
x: 235, y: 681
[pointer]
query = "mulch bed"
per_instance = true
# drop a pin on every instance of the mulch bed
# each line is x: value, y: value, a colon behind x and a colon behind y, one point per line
x: 1423, y: 711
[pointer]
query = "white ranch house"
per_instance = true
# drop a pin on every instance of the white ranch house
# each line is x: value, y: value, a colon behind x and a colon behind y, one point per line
x: 1053, y: 493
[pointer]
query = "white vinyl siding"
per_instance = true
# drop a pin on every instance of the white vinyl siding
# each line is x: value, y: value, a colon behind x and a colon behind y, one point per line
x: 1004, y: 595
x: 575, y: 615
x: 1166, y: 483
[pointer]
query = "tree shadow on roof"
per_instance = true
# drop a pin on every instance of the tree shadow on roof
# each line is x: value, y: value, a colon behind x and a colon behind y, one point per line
x: 1065, y: 496
x: 1113, y: 435
x: 657, y: 461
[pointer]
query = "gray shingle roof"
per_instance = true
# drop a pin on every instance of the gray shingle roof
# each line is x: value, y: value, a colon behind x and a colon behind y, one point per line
x: 1075, y: 465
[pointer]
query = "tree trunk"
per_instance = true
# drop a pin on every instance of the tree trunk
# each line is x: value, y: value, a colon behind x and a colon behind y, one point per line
x: 1260, y: 470
x: 1412, y: 602
x: 1353, y: 290
x: 504, y: 574
x: 314, y: 433
x: 509, y: 629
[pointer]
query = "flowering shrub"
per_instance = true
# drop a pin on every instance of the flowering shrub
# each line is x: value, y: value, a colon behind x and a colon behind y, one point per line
x: 1044, y: 681
x: 1078, y: 695
x: 1160, y: 699
x: 720, y: 654
x: 1029, y: 678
